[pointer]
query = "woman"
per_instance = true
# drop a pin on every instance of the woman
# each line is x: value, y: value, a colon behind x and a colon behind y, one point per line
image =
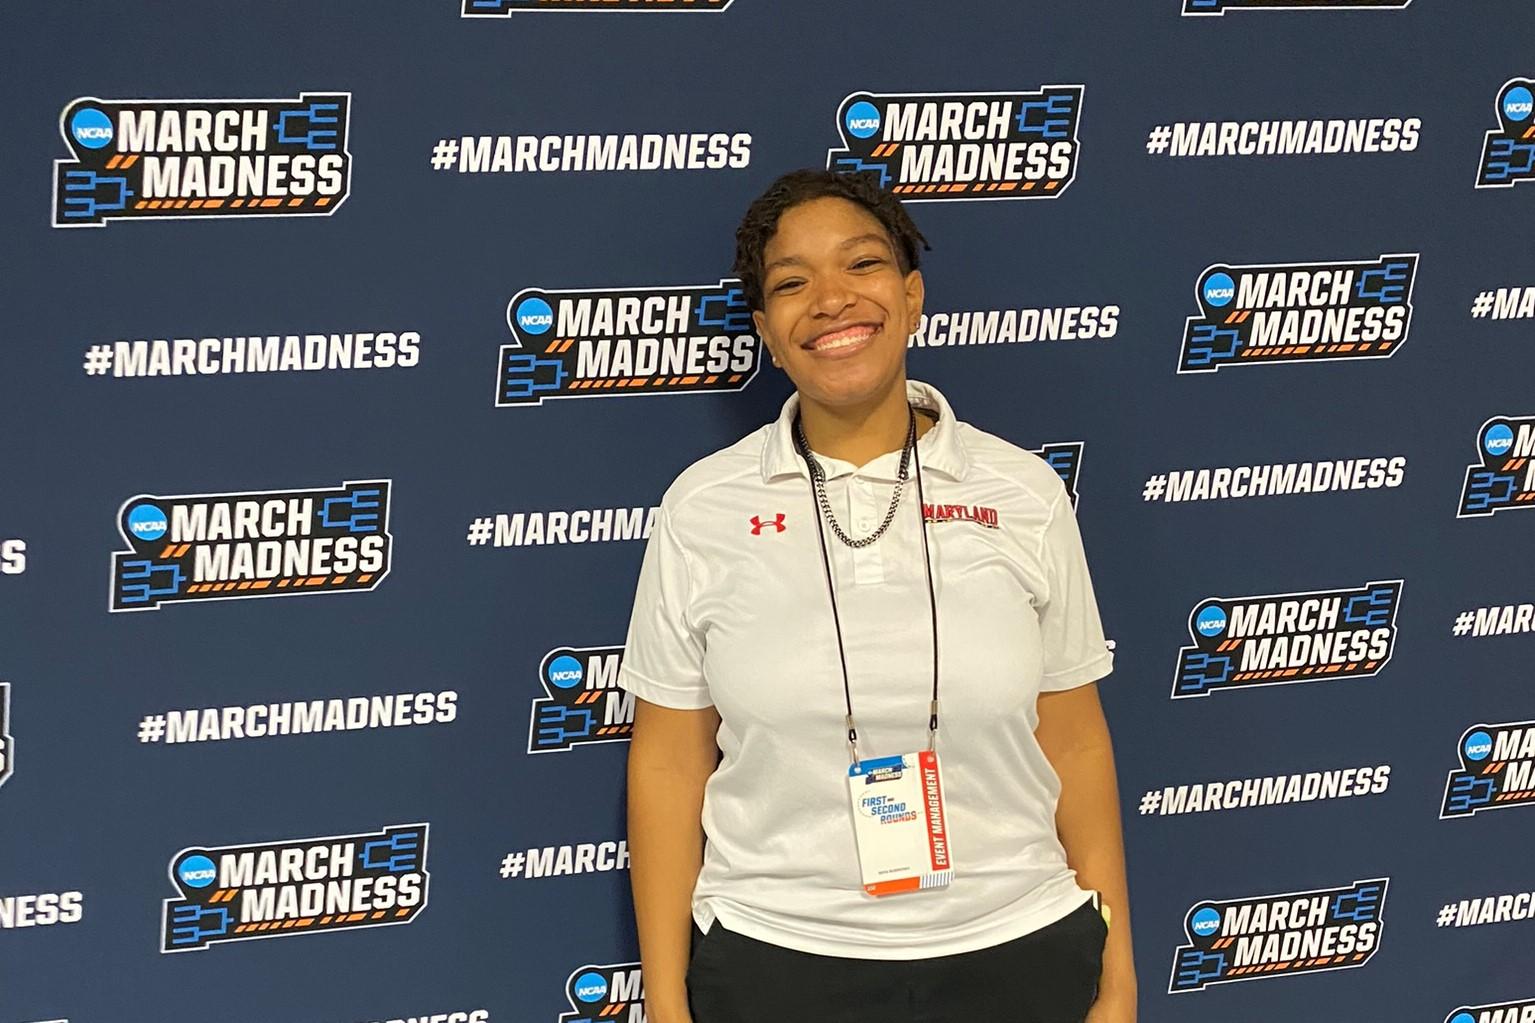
x: 863, y: 580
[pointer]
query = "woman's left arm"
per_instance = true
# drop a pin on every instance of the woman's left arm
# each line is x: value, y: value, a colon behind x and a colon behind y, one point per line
x: 1075, y: 739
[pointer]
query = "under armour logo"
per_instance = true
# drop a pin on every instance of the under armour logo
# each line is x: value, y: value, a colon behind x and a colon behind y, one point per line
x: 776, y: 522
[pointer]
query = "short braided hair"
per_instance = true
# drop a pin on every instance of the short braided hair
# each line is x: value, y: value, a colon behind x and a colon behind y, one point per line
x: 800, y: 186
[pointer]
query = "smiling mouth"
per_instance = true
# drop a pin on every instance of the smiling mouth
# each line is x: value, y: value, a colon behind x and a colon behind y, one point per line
x: 846, y: 337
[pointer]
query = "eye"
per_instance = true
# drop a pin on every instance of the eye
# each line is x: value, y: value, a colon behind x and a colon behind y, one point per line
x: 867, y: 262
x: 785, y: 285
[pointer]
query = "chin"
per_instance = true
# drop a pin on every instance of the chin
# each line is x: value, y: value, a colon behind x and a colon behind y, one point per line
x: 847, y: 387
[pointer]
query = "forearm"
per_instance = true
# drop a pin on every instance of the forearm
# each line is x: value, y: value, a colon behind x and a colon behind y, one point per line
x: 665, y: 854
x: 1087, y: 819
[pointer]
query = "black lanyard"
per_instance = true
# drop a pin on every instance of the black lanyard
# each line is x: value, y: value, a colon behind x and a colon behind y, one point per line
x: 831, y: 586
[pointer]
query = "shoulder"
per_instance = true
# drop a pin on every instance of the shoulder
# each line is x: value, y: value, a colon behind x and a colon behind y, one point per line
x: 729, y: 468
x: 1031, y: 478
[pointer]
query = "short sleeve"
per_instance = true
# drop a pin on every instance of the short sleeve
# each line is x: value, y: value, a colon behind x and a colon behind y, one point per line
x: 1074, y: 649
x: 664, y: 654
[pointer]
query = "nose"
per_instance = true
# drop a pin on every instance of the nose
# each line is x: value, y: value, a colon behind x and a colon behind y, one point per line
x: 831, y: 295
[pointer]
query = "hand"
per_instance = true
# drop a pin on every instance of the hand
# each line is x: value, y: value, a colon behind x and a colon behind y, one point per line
x: 1112, y: 1008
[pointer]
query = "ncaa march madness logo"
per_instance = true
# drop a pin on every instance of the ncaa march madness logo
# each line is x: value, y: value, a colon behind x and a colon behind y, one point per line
x: 940, y: 146
x: 584, y: 704
x: 264, y: 543
x: 1251, y: 314
x: 7, y: 744
x: 605, y: 994
x: 613, y: 342
x: 1506, y: 477
x: 1222, y: 6
x: 1508, y: 153
x: 1497, y: 770
x: 277, y: 889
x: 137, y: 159
x: 1280, y: 935
x: 504, y: 8
x: 1282, y: 638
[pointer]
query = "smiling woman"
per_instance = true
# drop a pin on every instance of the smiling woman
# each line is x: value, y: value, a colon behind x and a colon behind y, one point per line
x: 811, y: 839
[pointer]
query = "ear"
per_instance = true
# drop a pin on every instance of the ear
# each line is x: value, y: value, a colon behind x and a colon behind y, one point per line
x: 916, y: 293
x: 759, y: 321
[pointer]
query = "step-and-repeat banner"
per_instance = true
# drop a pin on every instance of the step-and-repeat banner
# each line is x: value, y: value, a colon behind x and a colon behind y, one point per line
x: 349, y: 348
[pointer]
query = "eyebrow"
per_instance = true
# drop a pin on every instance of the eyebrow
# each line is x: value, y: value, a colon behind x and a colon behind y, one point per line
x: 858, y: 239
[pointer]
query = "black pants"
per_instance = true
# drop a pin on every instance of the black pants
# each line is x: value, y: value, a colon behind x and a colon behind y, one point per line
x: 1050, y: 976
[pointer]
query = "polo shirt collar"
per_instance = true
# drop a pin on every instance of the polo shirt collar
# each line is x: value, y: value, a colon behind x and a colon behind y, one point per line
x: 940, y: 449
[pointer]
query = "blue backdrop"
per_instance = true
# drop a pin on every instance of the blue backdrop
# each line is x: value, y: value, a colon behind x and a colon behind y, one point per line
x: 319, y: 375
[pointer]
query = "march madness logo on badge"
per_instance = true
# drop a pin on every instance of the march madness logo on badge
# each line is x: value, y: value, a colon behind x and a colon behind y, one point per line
x: 936, y: 147
x: 195, y: 158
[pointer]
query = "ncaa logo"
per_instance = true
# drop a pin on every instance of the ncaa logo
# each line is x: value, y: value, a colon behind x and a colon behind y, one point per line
x: 1518, y: 103
x: 1478, y: 746
x: 197, y: 872
x: 1219, y: 289
x: 862, y: 119
x: 91, y: 128
x: 535, y: 316
x: 1205, y: 922
x: 591, y: 987
x: 1211, y: 621
x: 1498, y: 439
x: 565, y: 672
x: 147, y: 522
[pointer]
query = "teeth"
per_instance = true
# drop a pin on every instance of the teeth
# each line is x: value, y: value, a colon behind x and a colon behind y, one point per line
x: 843, y: 338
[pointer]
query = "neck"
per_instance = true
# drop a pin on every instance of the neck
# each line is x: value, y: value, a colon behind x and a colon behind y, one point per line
x: 860, y: 433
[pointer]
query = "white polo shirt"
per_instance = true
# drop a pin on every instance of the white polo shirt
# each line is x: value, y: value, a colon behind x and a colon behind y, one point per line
x: 732, y: 611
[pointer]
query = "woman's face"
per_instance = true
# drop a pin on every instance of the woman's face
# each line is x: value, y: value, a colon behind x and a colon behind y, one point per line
x: 836, y: 308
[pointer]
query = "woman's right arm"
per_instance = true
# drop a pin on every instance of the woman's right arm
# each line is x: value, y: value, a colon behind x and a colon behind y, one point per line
x: 671, y: 756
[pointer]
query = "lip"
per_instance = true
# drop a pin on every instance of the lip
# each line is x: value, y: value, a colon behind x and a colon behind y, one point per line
x: 845, y: 350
